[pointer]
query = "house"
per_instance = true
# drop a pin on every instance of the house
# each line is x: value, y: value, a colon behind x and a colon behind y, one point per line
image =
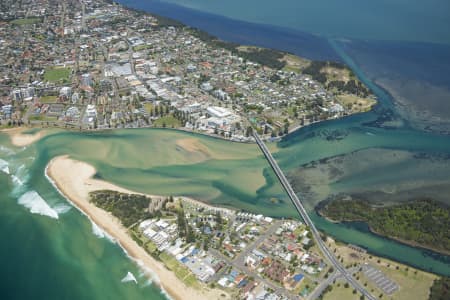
x: 276, y: 271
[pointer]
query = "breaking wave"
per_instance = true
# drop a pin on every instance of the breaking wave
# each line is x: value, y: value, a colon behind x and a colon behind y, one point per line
x: 166, y: 294
x: 129, y: 277
x: 4, y: 166
x: 97, y: 231
x: 62, y: 208
x: 100, y: 233
x: 19, y: 178
x: 37, y: 205
x: 6, y: 150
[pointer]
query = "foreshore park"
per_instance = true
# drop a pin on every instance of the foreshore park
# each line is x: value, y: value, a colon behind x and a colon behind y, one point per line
x: 96, y: 65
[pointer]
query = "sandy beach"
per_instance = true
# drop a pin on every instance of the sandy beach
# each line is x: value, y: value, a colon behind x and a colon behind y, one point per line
x: 74, y: 180
x: 19, y: 139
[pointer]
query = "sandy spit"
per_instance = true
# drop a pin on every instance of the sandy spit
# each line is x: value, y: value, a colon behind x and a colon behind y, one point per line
x: 75, y: 182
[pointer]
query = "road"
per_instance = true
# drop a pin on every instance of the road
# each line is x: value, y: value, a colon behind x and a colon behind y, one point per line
x: 323, y: 285
x: 302, y: 211
x: 240, y: 259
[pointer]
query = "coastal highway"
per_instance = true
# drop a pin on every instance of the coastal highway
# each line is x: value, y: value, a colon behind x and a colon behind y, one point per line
x: 302, y: 211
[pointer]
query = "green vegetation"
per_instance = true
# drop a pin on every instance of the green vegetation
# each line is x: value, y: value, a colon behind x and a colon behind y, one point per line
x: 425, y: 222
x: 141, y: 47
x: 440, y: 290
x: 318, y: 71
x: 268, y: 57
x: 180, y: 271
x: 27, y: 21
x: 166, y: 22
x: 356, y: 103
x: 57, y: 74
x: 184, y: 229
x: 148, y: 107
x: 42, y: 118
x: 167, y: 121
x: 129, y: 208
x: 48, y: 99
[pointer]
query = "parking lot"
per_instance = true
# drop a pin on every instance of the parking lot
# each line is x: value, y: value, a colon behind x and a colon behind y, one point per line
x: 381, y: 280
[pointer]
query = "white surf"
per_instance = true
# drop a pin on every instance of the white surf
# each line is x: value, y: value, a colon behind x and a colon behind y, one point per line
x: 4, y: 166
x: 129, y: 277
x: 62, y: 208
x: 97, y: 231
x: 6, y: 150
x: 34, y: 202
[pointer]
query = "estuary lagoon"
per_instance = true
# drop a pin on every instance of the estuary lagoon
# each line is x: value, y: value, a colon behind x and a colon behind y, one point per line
x: 169, y: 162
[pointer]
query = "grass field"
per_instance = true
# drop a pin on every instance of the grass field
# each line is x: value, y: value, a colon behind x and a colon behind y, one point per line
x: 180, y: 271
x: 341, y: 293
x: 27, y: 21
x: 48, y: 99
x: 141, y: 47
x: 56, y: 74
x: 43, y: 118
x: 148, y: 107
x: 294, y: 63
x: 168, y: 121
x: 413, y: 283
x: 356, y: 103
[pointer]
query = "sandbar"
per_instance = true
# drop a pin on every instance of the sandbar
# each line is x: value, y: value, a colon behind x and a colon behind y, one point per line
x: 19, y: 139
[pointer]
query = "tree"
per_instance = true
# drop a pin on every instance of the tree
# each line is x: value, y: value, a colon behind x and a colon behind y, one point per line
x: 190, y: 236
x: 181, y: 223
x: 249, y: 131
x: 219, y: 218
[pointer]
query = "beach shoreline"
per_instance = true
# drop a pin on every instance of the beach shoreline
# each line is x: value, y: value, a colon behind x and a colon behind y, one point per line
x: 76, y: 185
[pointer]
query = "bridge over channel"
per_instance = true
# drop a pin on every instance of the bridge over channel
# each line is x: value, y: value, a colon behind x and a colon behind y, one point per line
x: 302, y: 211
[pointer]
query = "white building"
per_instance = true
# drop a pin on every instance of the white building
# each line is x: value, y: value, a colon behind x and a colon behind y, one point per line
x: 65, y: 91
x: 218, y: 112
x: 86, y: 79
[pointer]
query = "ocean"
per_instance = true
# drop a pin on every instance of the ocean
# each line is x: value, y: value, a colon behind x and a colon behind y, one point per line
x: 394, y: 20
